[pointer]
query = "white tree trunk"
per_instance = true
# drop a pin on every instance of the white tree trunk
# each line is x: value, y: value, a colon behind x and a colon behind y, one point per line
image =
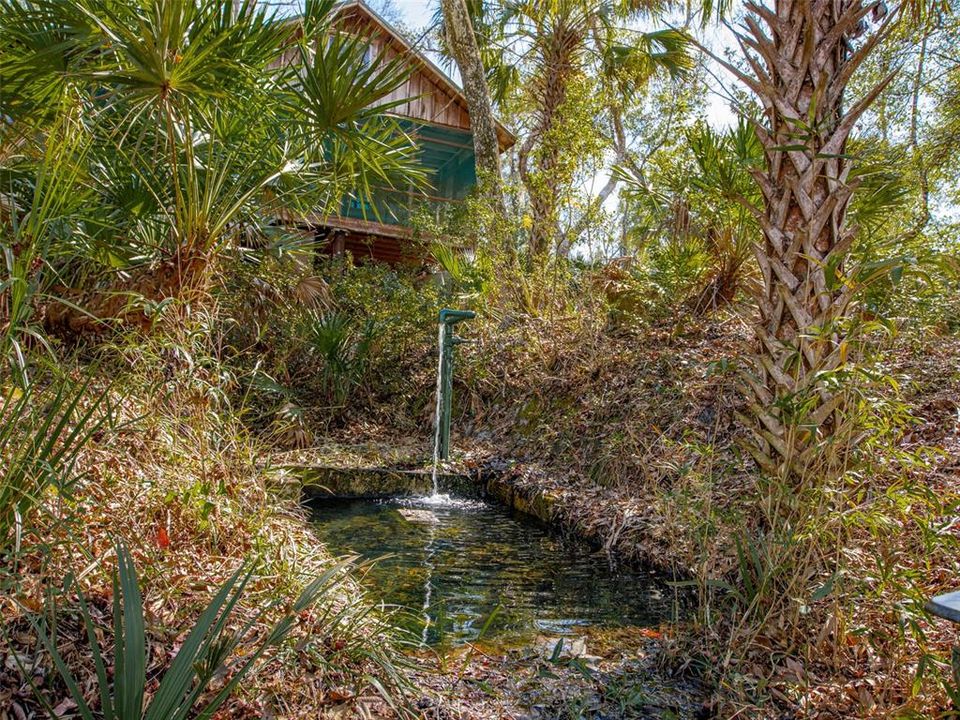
x: 466, y: 52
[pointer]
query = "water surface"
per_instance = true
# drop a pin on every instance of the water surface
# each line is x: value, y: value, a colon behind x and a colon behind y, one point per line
x: 456, y: 562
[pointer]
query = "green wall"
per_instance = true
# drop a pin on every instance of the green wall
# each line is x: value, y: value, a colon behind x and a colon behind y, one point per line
x: 446, y: 154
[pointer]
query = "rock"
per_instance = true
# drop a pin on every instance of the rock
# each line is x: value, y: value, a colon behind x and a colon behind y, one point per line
x: 569, y: 649
x: 361, y: 482
x: 540, y: 504
x: 562, y: 648
x: 421, y: 516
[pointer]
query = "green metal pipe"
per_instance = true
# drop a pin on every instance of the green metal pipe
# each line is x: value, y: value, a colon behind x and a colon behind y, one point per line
x: 452, y: 317
x: 449, y: 319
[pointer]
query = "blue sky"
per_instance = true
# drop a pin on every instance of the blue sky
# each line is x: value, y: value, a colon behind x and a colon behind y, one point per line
x: 415, y: 12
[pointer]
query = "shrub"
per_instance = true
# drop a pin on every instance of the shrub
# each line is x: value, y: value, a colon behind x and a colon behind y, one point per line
x: 43, y: 429
x: 206, y: 653
x: 359, y: 346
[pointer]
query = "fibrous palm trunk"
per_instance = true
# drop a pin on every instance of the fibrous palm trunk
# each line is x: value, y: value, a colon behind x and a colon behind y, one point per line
x: 559, y: 44
x: 133, y: 302
x: 800, y: 71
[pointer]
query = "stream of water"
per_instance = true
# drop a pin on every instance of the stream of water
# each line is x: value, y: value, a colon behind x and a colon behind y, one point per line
x: 459, y: 569
x: 451, y: 565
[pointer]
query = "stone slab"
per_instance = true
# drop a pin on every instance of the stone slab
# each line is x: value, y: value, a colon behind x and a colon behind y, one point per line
x: 539, y: 504
x: 420, y: 516
x: 946, y: 606
x: 375, y: 482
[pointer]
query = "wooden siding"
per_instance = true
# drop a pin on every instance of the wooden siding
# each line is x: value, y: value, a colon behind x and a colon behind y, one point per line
x: 366, y: 241
x: 427, y: 99
x: 379, y: 248
x: 358, y: 226
x: 431, y: 97
x: 438, y: 118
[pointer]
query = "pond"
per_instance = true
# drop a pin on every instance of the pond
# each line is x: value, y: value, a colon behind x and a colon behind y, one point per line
x: 465, y: 569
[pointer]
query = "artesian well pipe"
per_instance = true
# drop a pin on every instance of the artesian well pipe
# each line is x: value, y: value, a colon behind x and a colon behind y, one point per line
x: 448, y: 319
x: 452, y: 317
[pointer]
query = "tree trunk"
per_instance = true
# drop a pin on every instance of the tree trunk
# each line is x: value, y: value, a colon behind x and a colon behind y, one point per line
x: 463, y: 46
x: 920, y: 166
x: 559, y: 43
x: 799, y: 73
x: 621, y: 155
x: 132, y: 303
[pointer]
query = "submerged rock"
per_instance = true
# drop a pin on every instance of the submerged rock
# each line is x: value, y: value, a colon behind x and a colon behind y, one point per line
x: 414, y: 515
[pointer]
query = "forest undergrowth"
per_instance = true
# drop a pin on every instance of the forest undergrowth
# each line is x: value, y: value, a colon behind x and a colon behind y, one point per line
x: 809, y: 599
x: 170, y: 472
x: 806, y: 599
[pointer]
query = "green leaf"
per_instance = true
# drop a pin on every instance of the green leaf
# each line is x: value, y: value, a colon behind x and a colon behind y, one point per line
x: 179, y: 678
x: 106, y: 701
x: 131, y: 676
x: 557, y: 649
x: 825, y: 589
x: 49, y: 643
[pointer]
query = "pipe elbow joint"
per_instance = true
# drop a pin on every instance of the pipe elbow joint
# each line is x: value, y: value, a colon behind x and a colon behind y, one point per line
x: 448, y: 316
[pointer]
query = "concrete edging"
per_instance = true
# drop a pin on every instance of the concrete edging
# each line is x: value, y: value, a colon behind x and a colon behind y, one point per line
x: 380, y: 482
x: 376, y: 482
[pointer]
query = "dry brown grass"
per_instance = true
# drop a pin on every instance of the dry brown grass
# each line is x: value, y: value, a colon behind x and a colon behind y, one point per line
x: 633, y: 432
x: 636, y: 437
x: 185, y: 489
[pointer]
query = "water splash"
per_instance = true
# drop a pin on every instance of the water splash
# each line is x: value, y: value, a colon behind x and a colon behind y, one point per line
x: 437, y: 500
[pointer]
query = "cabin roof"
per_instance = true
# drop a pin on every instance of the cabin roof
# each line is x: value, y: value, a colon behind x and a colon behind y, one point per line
x: 506, y: 138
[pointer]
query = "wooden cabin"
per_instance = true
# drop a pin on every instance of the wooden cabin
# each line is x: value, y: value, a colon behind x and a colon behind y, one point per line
x: 436, y: 115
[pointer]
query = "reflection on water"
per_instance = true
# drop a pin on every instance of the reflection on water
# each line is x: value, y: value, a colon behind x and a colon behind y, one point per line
x: 455, y: 562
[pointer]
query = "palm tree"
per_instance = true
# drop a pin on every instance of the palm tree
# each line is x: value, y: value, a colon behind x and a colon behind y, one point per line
x: 801, y: 55
x: 206, y: 121
x: 697, y: 201
x: 563, y: 40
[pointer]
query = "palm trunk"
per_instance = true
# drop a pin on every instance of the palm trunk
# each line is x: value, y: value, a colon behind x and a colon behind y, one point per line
x: 541, y: 181
x: 800, y: 74
x: 130, y: 303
